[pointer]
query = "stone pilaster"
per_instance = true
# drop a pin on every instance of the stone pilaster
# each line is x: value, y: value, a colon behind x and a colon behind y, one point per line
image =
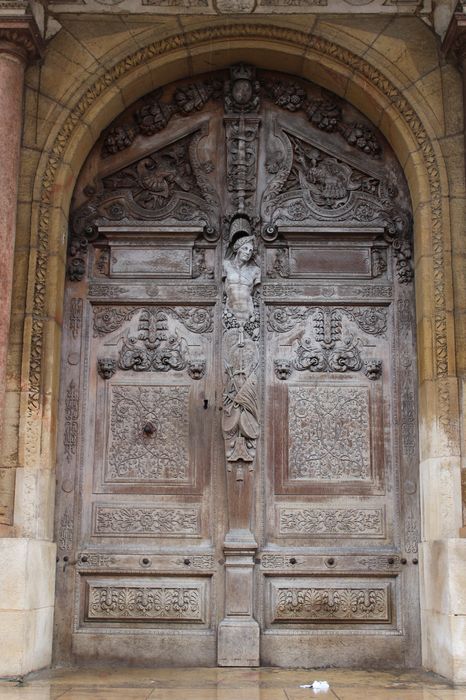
x: 26, y: 565
x: 454, y: 47
x: 20, y: 43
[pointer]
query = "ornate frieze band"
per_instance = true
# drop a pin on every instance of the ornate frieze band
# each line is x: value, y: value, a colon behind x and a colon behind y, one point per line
x: 134, y: 521
x: 149, y: 53
x: 184, y: 604
x: 331, y: 522
x: 329, y: 603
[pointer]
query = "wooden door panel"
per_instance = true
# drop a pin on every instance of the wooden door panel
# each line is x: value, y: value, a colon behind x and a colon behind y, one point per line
x: 238, y: 422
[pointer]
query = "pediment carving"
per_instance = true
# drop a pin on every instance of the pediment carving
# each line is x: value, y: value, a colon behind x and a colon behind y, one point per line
x: 287, y: 152
x: 310, y: 185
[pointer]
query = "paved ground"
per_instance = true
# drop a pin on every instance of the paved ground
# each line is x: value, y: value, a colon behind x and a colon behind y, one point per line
x: 227, y: 684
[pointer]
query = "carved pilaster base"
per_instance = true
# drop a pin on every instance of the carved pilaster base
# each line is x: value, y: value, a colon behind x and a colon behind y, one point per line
x: 238, y: 633
x: 238, y: 642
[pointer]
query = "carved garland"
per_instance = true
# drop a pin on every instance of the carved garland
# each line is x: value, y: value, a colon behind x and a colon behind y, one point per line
x: 318, y: 45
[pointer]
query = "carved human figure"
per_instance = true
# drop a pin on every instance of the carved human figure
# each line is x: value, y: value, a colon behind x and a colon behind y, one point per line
x: 241, y: 413
x: 241, y: 275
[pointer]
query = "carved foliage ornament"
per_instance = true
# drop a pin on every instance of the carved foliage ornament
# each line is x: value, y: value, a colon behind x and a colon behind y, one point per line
x: 242, y: 91
x: 145, y: 602
x: 349, y: 604
x: 329, y: 433
x: 346, y: 522
x: 149, y: 434
x: 331, y: 347
x: 134, y: 521
x: 108, y: 319
x: 154, y: 347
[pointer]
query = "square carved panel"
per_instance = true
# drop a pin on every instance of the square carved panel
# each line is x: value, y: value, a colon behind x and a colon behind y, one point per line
x: 148, y: 437
x: 328, y: 438
x: 328, y: 433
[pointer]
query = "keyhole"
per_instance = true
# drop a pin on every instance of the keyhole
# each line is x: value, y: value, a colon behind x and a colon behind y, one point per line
x: 149, y: 429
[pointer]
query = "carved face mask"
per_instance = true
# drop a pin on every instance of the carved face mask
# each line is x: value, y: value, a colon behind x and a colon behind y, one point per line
x: 245, y: 252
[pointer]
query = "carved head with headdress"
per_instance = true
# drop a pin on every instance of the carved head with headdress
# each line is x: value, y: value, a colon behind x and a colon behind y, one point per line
x: 240, y: 242
x: 240, y: 233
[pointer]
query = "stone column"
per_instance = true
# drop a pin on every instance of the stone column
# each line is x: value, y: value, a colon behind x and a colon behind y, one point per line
x: 20, y: 42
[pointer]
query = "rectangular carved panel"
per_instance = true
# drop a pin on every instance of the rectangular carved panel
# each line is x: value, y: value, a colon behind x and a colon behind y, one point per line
x: 164, y: 600
x: 329, y: 433
x: 318, y: 261
x: 160, y: 455
x: 137, y: 521
x: 311, y: 600
x: 331, y: 522
x: 151, y: 262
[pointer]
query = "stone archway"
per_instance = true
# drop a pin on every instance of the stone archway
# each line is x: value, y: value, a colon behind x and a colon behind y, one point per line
x: 373, y: 92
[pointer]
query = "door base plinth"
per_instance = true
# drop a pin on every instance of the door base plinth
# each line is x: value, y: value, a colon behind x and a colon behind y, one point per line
x: 238, y: 642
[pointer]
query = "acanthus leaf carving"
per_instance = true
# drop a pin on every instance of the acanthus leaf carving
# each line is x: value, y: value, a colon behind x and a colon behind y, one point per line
x: 332, y: 603
x: 145, y: 602
x: 108, y: 319
x: 327, y: 349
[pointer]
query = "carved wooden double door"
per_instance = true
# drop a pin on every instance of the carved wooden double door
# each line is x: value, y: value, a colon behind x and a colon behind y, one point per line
x: 237, y: 476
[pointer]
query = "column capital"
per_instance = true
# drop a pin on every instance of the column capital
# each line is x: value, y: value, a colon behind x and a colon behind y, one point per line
x: 454, y: 42
x: 19, y: 32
